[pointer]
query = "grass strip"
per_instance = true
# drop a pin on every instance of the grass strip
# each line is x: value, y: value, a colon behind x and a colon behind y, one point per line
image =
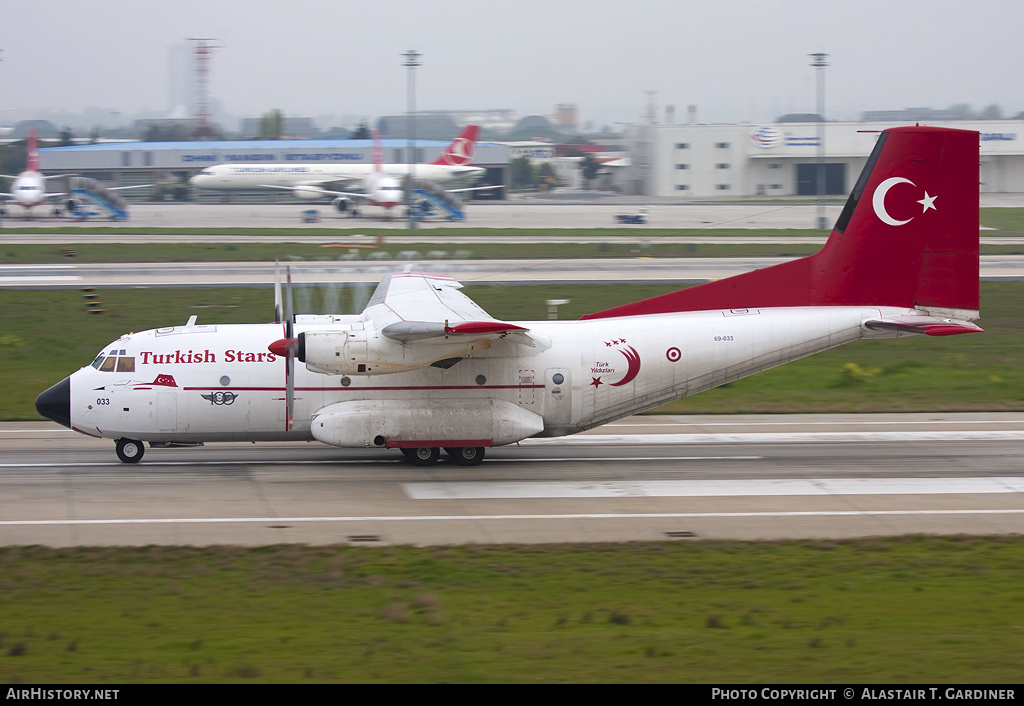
x: 905, y: 610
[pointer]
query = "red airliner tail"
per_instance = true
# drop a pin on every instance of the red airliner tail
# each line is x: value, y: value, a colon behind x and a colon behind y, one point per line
x: 378, y: 152
x: 462, y: 149
x: 32, y: 161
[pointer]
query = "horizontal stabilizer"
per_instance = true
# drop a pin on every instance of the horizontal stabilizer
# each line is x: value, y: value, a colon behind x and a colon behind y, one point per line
x: 928, y: 325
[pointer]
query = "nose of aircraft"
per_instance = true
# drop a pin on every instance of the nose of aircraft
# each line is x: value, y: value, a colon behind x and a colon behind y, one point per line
x: 55, y: 403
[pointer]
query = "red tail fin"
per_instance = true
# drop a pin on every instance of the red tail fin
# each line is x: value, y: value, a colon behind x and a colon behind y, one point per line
x: 32, y: 161
x: 908, y: 237
x: 378, y: 152
x: 462, y: 149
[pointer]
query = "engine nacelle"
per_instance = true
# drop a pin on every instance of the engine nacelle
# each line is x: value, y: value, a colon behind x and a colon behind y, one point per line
x: 436, y: 422
x: 342, y: 203
x: 365, y: 352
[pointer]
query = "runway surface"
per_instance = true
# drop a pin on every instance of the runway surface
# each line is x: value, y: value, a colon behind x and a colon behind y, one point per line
x: 644, y: 478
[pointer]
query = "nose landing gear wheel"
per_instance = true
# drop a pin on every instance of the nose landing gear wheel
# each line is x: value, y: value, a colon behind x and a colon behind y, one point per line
x: 129, y: 450
x: 466, y: 455
x: 423, y: 456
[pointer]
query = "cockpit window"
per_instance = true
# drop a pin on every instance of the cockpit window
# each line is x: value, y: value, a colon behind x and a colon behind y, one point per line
x: 108, y: 365
x: 99, y: 360
x: 126, y: 364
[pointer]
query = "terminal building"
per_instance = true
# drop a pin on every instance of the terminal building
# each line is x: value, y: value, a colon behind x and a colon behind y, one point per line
x: 780, y: 159
x: 173, y: 163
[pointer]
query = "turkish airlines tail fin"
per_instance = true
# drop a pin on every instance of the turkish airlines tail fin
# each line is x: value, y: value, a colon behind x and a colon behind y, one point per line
x: 460, y: 152
x: 32, y: 161
x: 907, y: 237
x: 378, y: 152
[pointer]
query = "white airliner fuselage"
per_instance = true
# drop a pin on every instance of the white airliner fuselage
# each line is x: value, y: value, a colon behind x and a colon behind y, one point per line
x: 238, y: 176
x: 29, y: 189
x: 379, y: 184
x: 316, y: 181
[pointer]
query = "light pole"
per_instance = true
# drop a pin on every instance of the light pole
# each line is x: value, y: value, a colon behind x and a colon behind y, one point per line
x: 820, y: 61
x: 411, y: 62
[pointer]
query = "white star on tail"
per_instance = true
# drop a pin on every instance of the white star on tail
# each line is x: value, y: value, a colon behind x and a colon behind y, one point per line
x: 928, y: 202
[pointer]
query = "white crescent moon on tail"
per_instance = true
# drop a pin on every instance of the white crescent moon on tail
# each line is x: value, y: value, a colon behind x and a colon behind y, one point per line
x: 878, y: 200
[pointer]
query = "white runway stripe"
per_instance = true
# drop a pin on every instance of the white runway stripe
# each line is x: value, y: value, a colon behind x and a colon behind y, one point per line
x: 780, y: 438
x: 712, y: 488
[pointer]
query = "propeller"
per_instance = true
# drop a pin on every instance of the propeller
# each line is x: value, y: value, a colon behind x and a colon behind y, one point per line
x: 289, y: 362
x: 286, y: 347
x: 278, y: 313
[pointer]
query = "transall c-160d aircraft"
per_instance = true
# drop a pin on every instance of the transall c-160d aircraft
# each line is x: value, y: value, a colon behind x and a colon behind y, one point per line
x: 423, y: 368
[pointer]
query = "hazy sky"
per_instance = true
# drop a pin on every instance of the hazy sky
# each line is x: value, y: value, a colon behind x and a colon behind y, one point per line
x: 736, y: 61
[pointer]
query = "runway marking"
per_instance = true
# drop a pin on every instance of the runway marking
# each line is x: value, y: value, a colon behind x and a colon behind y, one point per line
x: 37, y: 267
x: 437, y: 518
x: 780, y: 437
x: 882, y: 422
x: 470, y: 490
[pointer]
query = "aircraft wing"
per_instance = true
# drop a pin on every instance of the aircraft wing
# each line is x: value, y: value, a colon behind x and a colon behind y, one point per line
x: 122, y: 188
x: 317, y: 189
x: 475, y: 188
x: 423, y: 308
x: 48, y: 195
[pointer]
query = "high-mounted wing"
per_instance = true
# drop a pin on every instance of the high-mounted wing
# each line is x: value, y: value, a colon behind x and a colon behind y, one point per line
x: 413, y: 320
x: 417, y: 306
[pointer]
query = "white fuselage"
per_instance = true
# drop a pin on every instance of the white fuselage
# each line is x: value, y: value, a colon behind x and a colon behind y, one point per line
x: 239, y: 176
x: 383, y: 190
x: 29, y: 189
x: 220, y: 383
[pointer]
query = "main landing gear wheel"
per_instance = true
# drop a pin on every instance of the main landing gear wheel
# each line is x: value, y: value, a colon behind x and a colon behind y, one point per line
x: 466, y: 455
x: 129, y: 450
x: 423, y: 456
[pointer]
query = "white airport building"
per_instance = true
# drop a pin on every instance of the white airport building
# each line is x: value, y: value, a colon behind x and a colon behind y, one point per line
x: 695, y: 161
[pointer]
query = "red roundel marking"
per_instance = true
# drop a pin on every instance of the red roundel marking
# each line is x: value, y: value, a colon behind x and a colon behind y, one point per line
x: 673, y: 355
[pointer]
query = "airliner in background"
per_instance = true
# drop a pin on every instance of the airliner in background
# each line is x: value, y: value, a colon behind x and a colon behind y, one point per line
x: 310, y: 182
x: 29, y: 187
x: 378, y: 187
